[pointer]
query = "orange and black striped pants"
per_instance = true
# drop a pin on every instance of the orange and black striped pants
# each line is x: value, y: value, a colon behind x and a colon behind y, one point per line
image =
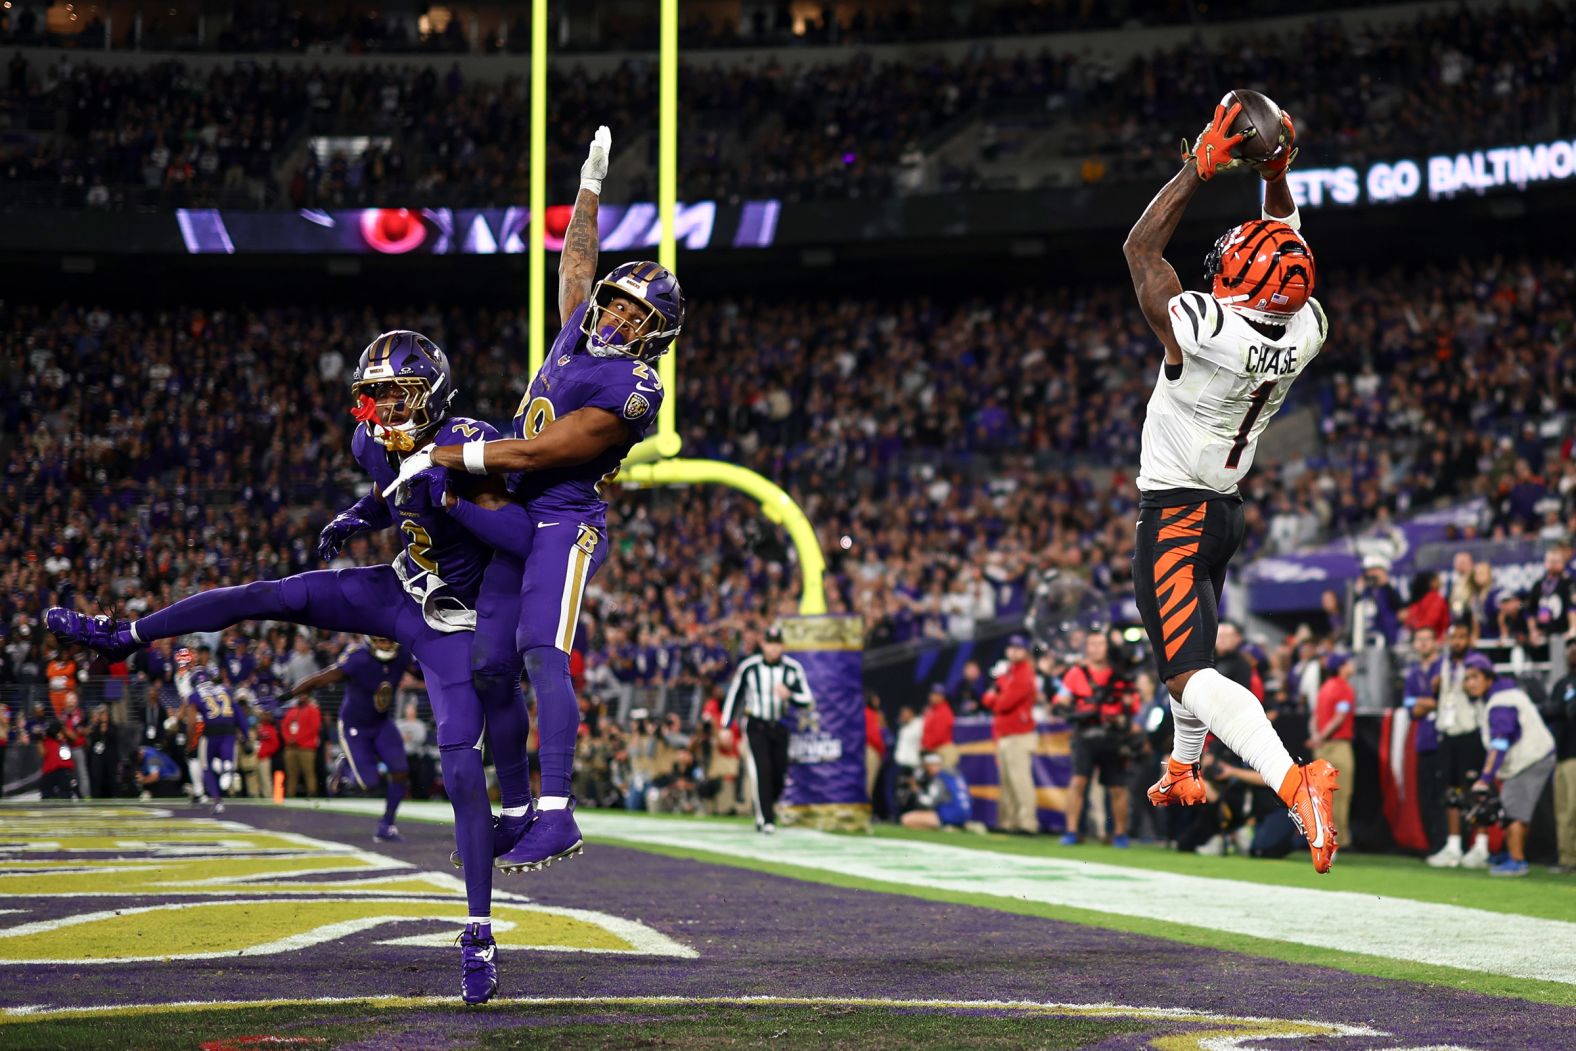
x: 1179, y: 569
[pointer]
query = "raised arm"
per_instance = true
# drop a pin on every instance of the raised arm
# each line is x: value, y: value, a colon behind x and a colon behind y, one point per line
x: 1154, y: 279
x: 577, y: 263
x: 312, y: 682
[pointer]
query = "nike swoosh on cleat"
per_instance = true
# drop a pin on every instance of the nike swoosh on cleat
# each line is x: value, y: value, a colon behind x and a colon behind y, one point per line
x: 486, y: 955
x: 1318, y: 822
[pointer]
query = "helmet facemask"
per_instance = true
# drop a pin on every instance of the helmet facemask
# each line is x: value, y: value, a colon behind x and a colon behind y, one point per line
x: 394, y: 410
x: 640, y: 335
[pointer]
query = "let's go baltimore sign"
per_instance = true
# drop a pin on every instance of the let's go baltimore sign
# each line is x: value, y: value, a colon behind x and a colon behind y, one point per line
x: 1441, y: 176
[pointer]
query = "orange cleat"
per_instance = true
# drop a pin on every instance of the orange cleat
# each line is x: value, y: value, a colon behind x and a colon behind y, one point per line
x: 1312, y: 789
x: 1179, y: 785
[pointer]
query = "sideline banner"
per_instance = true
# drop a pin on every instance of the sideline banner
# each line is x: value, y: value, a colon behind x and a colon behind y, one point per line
x: 826, y: 750
x: 1053, y: 770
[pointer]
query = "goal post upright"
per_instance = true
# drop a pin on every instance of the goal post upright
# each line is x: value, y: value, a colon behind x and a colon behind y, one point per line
x: 653, y: 462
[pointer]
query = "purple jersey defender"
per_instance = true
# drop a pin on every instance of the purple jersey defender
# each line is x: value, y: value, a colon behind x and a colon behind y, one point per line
x: 370, y: 682
x: 367, y: 735
x: 442, y: 563
x: 573, y: 379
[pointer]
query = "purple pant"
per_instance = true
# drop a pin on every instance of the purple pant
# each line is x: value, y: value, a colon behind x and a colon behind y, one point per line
x: 216, y: 756
x: 366, y: 746
x: 564, y: 557
x: 370, y: 601
x: 367, y: 600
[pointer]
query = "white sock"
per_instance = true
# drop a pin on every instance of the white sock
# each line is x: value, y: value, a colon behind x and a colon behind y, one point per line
x: 485, y: 921
x: 1453, y: 843
x: 515, y: 811
x: 1480, y: 842
x: 1235, y: 716
x: 552, y: 803
x: 1189, y: 731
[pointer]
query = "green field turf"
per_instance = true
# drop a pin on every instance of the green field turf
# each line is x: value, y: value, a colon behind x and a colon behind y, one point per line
x: 590, y: 1025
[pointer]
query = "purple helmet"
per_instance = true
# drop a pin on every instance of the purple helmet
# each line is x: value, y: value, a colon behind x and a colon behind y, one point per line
x: 402, y: 374
x: 652, y: 287
x: 198, y: 675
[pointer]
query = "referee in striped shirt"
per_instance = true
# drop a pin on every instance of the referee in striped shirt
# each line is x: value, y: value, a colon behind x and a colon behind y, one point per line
x: 764, y: 687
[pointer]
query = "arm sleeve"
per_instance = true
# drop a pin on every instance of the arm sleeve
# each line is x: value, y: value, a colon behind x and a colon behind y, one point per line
x: 800, y: 693
x: 733, y: 693
x: 634, y: 396
x: 1504, y: 727
x: 506, y: 528
x: 1195, y: 320
x: 374, y: 509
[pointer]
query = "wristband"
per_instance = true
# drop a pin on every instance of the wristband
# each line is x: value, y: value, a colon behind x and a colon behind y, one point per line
x: 1294, y: 220
x: 475, y: 454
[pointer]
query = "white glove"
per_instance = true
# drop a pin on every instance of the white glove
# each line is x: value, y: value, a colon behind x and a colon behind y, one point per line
x: 594, y: 170
x: 413, y: 465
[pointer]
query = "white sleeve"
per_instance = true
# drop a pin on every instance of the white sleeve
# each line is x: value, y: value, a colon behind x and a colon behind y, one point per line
x: 1195, y: 320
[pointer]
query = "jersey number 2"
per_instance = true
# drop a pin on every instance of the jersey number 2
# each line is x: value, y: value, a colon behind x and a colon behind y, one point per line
x: 1256, y: 402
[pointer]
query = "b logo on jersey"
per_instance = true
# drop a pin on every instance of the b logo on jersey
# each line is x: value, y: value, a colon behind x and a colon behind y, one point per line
x: 636, y: 407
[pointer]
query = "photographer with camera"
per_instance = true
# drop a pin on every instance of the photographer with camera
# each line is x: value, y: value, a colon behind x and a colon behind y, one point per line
x: 1521, y: 755
x: 1101, y: 704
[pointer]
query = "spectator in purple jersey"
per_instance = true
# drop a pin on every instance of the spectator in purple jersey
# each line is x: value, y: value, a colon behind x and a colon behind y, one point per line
x: 368, y: 735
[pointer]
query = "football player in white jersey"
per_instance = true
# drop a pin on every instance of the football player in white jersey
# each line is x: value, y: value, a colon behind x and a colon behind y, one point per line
x: 1231, y: 355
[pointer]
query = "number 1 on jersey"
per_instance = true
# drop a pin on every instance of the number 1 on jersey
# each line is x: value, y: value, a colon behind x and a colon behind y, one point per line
x: 1256, y: 402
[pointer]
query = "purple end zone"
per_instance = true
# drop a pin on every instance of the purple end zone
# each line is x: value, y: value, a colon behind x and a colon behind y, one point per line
x: 768, y: 935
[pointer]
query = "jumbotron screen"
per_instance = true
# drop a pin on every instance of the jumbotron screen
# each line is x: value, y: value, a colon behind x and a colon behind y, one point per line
x: 467, y: 231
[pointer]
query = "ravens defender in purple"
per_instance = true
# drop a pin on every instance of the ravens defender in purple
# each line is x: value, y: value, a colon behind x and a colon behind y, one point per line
x: 427, y: 600
x: 595, y: 396
x: 367, y: 734
x: 221, y: 722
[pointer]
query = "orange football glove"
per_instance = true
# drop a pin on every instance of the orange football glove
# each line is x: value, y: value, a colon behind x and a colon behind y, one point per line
x: 1210, y: 153
x: 1285, y: 152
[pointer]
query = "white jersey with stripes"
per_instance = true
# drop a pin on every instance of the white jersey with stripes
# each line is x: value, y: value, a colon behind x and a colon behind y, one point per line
x: 1202, y: 428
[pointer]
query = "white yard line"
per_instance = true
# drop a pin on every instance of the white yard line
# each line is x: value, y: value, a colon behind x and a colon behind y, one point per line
x: 1394, y: 928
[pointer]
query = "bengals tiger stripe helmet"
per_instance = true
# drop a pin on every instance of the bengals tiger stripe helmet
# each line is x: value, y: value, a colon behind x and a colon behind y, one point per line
x: 1262, y: 269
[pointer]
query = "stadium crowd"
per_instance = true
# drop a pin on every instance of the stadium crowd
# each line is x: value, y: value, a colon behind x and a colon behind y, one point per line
x: 779, y: 128
x: 915, y: 432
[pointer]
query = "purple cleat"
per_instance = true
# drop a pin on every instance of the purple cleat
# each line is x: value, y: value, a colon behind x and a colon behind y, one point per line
x: 102, y: 634
x: 478, y: 972
x: 553, y: 836
x: 387, y: 833
x: 507, y: 831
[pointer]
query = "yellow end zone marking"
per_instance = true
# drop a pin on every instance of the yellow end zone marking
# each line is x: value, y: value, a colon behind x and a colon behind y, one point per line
x: 265, y: 927
x: 1225, y: 1031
